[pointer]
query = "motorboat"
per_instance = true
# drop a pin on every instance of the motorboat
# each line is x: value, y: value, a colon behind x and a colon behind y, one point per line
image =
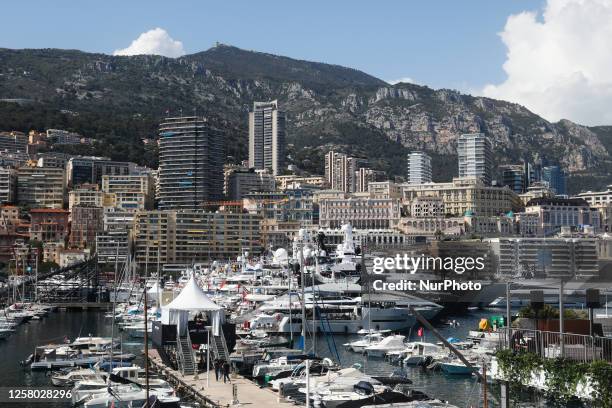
x: 85, y: 374
x: 390, y: 343
x: 358, y: 346
x: 276, y: 366
x: 127, y: 396
x: 456, y: 368
x: 419, y: 353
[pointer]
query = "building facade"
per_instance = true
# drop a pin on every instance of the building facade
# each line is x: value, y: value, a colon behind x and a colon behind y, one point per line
x: 341, y: 171
x: 13, y: 142
x: 87, y: 223
x: 41, y: 187
x: 267, y: 137
x: 49, y: 225
x: 538, y: 258
x: 361, y: 212
x: 240, y: 182
x: 462, y: 195
x: 419, y: 168
x: 284, y: 182
x: 556, y: 179
x: 132, y: 192
x: 190, y: 163
x: 182, y: 237
x: 8, y: 184
x: 555, y: 213
x: 475, y: 157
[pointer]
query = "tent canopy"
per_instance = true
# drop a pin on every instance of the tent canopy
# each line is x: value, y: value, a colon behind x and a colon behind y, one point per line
x: 154, y: 290
x: 192, y: 298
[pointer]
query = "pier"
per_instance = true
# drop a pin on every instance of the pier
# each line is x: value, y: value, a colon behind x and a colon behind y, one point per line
x: 218, y: 394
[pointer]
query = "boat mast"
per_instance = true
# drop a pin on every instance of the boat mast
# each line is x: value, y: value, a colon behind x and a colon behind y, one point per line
x: 314, y: 304
x: 146, y: 336
x: 110, y: 364
x: 290, y: 276
x: 301, y: 247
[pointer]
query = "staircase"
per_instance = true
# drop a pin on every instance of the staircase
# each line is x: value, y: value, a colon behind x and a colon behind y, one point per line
x: 185, y: 357
x: 219, y: 347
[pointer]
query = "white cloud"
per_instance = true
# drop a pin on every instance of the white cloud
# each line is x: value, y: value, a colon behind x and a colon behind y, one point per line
x: 560, y: 65
x: 156, y: 42
x: 406, y: 80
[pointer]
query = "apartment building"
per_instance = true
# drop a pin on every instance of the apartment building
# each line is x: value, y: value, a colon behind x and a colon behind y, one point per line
x: 539, y: 258
x: 41, y: 187
x: 341, y: 171
x: 419, y: 168
x: 49, y: 224
x: 364, y: 177
x: 87, y: 223
x: 90, y: 170
x: 8, y: 184
x: 182, y: 237
x: 475, y: 157
x: 13, y: 142
x: 267, y: 138
x: 132, y: 192
x: 90, y: 195
x: 384, y: 189
x: 284, y: 182
x: 190, y: 163
x: 114, y: 242
x: 240, y: 181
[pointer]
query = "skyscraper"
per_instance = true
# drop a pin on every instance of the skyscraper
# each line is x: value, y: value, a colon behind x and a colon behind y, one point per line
x: 190, y: 163
x: 419, y: 168
x: 475, y: 156
x: 267, y: 137
x: 341, y: 171
x: 556, y: 179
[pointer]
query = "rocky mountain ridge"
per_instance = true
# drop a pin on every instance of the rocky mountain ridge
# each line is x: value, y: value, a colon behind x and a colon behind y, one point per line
x: 328, y: 106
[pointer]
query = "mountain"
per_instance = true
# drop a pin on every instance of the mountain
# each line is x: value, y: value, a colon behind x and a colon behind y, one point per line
x: 119, y: 100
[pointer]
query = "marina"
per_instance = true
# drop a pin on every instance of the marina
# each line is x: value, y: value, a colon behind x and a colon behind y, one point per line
x: 255, y: 330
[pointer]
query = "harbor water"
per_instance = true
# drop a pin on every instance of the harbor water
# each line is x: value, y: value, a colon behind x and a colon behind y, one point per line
x: 52, y: 329
x: 463, y: 391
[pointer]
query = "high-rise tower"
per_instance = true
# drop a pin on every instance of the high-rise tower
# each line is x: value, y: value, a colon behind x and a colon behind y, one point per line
x: 475, y: 156
x: 190, y: 163
x: 419, y: 168
x: 267, y: 137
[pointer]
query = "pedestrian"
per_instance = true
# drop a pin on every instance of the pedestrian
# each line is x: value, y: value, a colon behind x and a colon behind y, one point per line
x: 217, y: 364
x: 226, y: 371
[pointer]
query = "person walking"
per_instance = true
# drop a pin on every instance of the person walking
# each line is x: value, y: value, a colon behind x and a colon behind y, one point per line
x: 217, y: 365
x: 226, y: 371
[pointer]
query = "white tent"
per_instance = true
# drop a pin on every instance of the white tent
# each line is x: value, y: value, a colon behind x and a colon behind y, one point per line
x: 192, y: 299
x: 154, y: 293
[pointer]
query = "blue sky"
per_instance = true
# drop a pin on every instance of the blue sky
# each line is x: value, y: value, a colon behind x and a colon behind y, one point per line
x: 440, y: 43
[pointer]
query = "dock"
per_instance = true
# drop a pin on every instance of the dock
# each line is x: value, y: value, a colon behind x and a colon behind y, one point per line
x: 219, y: 394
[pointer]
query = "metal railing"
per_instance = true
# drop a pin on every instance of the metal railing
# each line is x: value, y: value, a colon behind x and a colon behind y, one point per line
x: 576, y: 347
